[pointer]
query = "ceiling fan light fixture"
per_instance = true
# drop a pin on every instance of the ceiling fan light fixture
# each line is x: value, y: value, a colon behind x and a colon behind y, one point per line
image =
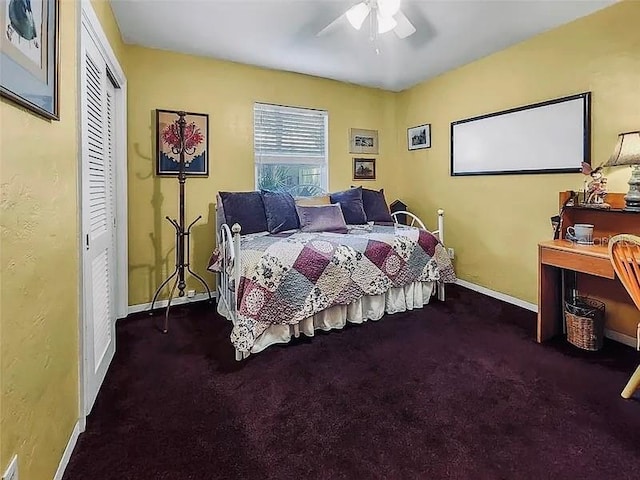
x: 386, y: 24
x: 388, y: 8
x: 357, y: 14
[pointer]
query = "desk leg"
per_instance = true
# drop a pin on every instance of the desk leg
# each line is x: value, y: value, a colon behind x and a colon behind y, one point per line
x: 549, y: 302
x: 563, y: 296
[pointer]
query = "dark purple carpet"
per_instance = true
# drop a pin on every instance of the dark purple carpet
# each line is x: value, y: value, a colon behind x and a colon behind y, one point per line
x: 456, y: 390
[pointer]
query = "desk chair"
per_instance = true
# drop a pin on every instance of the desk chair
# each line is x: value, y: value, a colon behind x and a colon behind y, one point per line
x: 624, y: 251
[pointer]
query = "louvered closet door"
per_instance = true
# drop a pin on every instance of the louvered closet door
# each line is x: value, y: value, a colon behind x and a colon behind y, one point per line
x: 98, y: 209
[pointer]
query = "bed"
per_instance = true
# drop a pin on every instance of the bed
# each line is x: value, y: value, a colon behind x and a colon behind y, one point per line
x: 276, y: 286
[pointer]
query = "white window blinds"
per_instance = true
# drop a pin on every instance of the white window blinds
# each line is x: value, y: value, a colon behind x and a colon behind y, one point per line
x: 290, y: 135
x: 291, y: 152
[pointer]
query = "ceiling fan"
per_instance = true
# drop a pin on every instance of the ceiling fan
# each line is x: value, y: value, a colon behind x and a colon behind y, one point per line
x: 384, y: 16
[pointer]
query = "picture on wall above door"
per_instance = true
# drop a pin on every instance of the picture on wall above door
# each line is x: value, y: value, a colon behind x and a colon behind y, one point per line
x: 29, y: 54
x: 196, y: 138
x: 419, y: 137
x: 363, y: 141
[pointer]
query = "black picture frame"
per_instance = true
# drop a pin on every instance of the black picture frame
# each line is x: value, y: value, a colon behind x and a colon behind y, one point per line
x: 167, y: 163
x: 419, y: 137
x: 586, y: 137
x: 21, y: 80
x: 364, y: 168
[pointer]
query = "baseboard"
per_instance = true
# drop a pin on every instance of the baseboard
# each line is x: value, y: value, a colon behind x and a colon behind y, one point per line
x: 611, y: 334
x: 143, y: 307
x: 620, y: 337
x: 66, y: 455
x: 500, y: 296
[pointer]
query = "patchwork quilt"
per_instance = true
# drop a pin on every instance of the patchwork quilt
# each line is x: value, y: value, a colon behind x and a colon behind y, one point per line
x: 287, y: 277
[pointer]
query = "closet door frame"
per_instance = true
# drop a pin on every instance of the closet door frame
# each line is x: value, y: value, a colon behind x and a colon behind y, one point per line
x: 90, y: 23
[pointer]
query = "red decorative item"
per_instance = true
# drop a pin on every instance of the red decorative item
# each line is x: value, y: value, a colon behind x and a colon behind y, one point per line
x: 192, y: 136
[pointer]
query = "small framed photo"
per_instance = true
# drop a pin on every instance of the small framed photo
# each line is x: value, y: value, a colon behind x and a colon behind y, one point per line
x: 363, y: 141
x: 419, y: 137
x: 196, y: 157
x: 364, y: 168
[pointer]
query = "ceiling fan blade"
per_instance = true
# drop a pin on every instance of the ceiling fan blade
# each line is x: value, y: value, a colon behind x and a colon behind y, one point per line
x: 386, y: 24
x: 332, y: 26
x: 388, y: 8
x: 357, y: 14
x: 404, y: 28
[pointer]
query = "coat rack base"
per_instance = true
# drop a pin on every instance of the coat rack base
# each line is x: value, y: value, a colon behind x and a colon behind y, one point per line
x: 181, y: 269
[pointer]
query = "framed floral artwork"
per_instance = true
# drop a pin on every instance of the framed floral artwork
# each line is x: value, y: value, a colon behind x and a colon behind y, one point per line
x: 29, y: 54
x: 196, y: 143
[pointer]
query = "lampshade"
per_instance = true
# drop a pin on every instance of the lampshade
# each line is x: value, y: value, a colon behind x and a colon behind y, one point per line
x: 357, y: 14
x: 627, y: 151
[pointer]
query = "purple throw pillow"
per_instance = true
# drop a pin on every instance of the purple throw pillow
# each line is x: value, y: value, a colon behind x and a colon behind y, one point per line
x: 352, y: 207
x: 246, y: 209
x: 375, y: 206
x: 322, y: 218
x: 280, y: 209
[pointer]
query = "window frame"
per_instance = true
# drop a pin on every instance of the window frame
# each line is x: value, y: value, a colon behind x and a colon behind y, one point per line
x: 294, y: 160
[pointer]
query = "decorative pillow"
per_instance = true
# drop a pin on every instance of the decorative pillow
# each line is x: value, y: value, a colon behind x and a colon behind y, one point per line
x: 317, y: 200
x: 351, y: 203
x: 280, y: 210
x: 321, y: 218
x: 375, y: 206
x: 246, y: 209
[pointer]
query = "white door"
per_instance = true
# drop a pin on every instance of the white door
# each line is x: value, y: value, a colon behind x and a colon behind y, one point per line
x: 98, y: 218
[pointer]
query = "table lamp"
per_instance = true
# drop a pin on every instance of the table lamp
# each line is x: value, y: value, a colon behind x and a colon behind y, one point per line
x: 627, y: 152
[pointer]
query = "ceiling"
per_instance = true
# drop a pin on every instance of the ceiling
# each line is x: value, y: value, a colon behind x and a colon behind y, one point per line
x: 282, y: 34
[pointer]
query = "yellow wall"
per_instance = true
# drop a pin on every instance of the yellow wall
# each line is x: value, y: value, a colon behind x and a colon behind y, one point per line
x: 103, y: 11
x: 39, y: 274
x: 226, y: 91
x: 495, y: 222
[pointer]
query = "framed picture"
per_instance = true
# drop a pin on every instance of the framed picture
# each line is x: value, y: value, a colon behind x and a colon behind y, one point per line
x: 196, y: 157
x: 364, y: 168
x: 363, y: 141
x: 553, y: 136
x: 419, y: 137
x: 29, y: 54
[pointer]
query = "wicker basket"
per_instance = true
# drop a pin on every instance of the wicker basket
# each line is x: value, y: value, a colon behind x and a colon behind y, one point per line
x: 585, y: 323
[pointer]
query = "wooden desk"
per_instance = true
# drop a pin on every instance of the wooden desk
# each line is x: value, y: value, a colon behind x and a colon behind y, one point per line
x: 553, y: 256
x: 595, y: 273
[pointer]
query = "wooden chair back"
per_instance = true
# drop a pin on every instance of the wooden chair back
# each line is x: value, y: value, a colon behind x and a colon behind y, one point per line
x: 624, y: 251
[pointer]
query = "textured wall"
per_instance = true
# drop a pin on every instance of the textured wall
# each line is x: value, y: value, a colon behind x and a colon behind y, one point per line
x: 227, y: 91
x: 495, y: 222
x: 39, y: 274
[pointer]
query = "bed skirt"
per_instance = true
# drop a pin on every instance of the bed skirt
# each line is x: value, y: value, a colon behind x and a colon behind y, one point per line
x: 373, y: 307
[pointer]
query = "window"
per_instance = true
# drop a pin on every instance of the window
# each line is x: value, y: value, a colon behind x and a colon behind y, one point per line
x: 291, y: 149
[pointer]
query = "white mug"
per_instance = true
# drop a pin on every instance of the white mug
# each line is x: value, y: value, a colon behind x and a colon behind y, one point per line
x: 581, y: 233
